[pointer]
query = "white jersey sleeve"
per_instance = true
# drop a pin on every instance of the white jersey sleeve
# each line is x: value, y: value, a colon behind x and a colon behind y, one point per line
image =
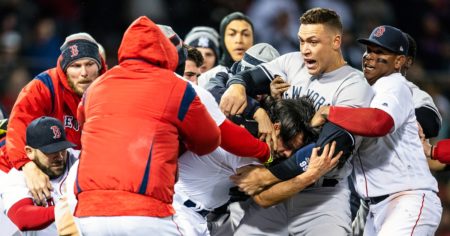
x: 208, y: 101
x: 394, y: 97
x: 13, y: 189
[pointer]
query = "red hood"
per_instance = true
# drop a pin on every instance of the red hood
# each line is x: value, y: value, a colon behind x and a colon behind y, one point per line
x: 143, y: 40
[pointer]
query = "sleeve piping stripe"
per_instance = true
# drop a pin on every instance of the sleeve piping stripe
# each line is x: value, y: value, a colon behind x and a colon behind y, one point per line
x: 47, y: 80
x: 188, y: 97
x: 267, y: 73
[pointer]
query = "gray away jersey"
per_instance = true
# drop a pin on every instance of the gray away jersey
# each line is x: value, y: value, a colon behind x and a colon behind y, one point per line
x: 345, y: 86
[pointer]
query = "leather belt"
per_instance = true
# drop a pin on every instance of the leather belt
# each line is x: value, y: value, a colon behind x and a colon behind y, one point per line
x: 192, y: 205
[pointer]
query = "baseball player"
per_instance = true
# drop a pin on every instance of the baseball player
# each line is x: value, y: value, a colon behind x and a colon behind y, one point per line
x: 429, y: 120
x: 319, y: 72
x: 46, y: 145
x: 391, y: 172
x: 160, y: 111
x: 204, y: 182
x: 55, y: 92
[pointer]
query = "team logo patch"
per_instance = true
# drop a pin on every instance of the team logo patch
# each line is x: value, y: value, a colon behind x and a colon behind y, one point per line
x: 203, y: 42
x: 56, y: 132
x: 380, y: 31
x: 73, y: 50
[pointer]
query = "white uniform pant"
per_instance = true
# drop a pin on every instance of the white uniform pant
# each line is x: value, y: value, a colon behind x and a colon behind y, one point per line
x: 128, y: 225
x: 189, y: 221
x: 415, y: 212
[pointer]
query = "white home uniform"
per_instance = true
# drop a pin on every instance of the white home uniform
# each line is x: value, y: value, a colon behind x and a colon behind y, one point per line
x: 392, y: 173
x: 14, y: 188
x: 420, y: 99
x: 203, y: 185
x: 321, y: 208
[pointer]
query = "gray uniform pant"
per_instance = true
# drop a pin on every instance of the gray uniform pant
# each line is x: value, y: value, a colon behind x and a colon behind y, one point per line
x: 315, y: 211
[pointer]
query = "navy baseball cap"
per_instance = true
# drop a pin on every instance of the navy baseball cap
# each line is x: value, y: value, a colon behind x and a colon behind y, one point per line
x: 389, y: 38
x: 47, y: 134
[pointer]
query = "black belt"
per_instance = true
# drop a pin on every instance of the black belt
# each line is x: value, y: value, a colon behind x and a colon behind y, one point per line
x: 376, y: 200
x: 330, y: 182
x: 192, y: 204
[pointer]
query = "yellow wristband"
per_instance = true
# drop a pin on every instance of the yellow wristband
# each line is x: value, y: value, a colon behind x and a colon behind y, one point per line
x: 270, y: 160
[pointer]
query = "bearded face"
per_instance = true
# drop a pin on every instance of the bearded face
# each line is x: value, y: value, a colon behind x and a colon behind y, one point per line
x: 81, y: 73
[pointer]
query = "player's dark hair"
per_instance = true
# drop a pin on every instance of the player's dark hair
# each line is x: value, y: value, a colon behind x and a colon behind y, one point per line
x: 322, y: 16
x: 195, y: 56
x: 412, y: 47
x: 294, y: 116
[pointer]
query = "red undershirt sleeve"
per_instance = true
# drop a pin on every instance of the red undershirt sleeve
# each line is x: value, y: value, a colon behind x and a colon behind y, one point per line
x: 441, y: 151
x: 240, y: 142
x: 368, y: 122
x: 27, y: 216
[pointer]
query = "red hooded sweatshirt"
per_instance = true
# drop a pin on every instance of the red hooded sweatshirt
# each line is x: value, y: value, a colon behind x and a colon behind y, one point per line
x: 48, y: 94
x: 134, y: 117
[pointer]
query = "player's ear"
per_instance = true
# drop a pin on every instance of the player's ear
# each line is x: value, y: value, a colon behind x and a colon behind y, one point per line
x: 29, y: 151
x: 399, y: 62
x: 337, y: 41
x: 277, y: 126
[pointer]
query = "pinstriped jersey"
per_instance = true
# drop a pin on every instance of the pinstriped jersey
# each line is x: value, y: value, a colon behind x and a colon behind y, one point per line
x: 345, y: 86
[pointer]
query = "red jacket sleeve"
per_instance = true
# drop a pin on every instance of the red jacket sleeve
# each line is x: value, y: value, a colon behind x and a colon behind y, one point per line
x: 240, y: 142
x: 33, y: 101
x: 441, y: 151
x: 198, y: 130
x: 368, y: 122
x: 26, y: 216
